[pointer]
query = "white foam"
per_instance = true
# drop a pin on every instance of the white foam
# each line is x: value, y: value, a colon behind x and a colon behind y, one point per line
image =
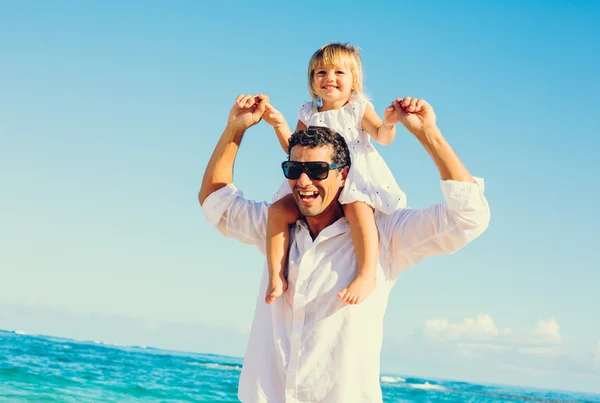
x: 426, y: 386
x: 215, y: 366
x: 112, y: 344
x: 392, y: 379
x: 21, y: 332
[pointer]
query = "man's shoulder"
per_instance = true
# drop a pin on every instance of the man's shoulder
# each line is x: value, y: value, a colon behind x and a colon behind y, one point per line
x: 394, y: 216
x: 396, y: 222
x: 231, y: 201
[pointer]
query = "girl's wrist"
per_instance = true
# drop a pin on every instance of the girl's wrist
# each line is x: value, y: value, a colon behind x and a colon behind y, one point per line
x: 387, y: 124
x: 279, y: 126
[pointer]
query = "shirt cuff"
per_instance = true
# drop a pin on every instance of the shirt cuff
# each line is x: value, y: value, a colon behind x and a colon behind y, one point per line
x: 217, y: 203
x: 464, y: 195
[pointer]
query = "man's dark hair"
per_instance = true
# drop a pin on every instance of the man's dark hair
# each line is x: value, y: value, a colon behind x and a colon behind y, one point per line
x: 318, y: 136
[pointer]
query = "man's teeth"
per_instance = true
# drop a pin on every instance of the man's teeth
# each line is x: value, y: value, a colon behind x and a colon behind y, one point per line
x: 308, y: 194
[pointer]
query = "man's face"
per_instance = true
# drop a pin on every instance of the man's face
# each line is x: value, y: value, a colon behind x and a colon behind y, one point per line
x: 313, y: 197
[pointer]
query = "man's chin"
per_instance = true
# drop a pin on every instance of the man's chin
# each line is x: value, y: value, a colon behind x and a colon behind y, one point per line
x: 309, y: 212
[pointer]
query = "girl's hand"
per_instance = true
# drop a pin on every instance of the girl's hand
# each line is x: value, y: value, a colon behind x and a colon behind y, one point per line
x: 273, y: 117
x: 415, y: 114
x: 390, y: 117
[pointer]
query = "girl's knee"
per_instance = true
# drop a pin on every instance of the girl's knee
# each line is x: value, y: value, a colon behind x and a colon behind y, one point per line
x: 358, y: 209
x: 285, y: 209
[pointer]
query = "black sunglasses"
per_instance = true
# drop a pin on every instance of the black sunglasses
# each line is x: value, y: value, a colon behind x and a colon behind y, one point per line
x: 315, y: 170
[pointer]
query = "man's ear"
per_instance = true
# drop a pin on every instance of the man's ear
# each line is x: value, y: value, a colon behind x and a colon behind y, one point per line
x: 344, y: 173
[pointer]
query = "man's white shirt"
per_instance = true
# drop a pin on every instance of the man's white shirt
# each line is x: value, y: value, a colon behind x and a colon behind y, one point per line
x: 310, y: 346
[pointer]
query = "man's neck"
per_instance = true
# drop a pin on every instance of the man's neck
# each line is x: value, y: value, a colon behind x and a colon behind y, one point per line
x: 318, y: 223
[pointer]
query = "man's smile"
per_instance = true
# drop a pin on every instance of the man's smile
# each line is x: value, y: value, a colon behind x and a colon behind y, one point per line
x: 307, y: 197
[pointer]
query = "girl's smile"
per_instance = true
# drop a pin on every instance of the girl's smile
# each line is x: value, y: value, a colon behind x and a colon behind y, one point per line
x: 333, y: 84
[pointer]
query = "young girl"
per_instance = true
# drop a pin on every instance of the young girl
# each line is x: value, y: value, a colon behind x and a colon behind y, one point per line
x: 335, y: 85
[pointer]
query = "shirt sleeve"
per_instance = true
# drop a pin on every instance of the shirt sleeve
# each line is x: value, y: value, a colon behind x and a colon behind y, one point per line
x: 440, y: 229
x: 238, y: 218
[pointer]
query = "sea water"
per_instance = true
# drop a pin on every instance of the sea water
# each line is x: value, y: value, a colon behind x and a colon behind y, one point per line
x: 49, y: 369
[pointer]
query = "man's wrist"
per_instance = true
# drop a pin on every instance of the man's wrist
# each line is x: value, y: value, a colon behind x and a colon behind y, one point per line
x: 234, y: 130
x: 428, y: 133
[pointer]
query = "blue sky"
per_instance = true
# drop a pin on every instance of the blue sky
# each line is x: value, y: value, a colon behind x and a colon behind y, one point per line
x: 109, y: 112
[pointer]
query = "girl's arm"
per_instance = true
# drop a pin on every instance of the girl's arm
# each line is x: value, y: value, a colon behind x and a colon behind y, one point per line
x: 283, y: 135
x: 275, y: 118
x: 382, y: 131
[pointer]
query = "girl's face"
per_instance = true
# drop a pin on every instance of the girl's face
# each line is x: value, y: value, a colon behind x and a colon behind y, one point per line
x: 333, y: 83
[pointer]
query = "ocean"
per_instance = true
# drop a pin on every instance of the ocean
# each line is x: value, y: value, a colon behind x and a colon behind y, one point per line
x: 50, y: 369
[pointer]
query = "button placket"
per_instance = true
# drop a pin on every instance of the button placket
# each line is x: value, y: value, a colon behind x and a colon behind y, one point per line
x: 306, y: 261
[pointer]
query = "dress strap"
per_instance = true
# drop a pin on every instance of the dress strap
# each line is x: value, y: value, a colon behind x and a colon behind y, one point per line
x: 358, y: 104
x: 305, y: 112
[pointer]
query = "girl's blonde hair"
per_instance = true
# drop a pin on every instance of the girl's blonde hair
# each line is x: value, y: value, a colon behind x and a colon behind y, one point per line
x: 337, y: 54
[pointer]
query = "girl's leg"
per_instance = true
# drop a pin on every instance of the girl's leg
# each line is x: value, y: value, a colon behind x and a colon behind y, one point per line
x: 282, y: 213
x: 366, y: 243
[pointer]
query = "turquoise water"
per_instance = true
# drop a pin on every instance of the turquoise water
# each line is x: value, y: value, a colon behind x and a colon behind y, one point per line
x: 48, y: 369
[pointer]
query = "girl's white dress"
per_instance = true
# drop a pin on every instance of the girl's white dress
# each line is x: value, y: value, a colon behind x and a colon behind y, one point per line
x: 369, y: 179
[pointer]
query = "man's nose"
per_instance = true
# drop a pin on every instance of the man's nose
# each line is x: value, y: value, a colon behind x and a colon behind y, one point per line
x: 304, y: 180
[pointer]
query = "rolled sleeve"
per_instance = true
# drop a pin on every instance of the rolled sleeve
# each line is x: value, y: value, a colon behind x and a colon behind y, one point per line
x: 235, y: 217
x: 217, y: 203
x: 465, y: 196
x: 439, y: 229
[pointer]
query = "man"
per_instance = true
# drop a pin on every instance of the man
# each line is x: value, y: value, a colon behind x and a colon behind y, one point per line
x: 310, y: 346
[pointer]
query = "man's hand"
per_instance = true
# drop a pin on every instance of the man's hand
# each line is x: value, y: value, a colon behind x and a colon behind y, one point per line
x: 273, y: 117
x: 415, y: 114
x: 247, y: 111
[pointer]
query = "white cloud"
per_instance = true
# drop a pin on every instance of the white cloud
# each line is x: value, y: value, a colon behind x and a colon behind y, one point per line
x: 551, y: 351
x: 243, y: 328
x: 476, y: 345
x: 486, y: 346
x: 548, y: 330
x: 480, y: 327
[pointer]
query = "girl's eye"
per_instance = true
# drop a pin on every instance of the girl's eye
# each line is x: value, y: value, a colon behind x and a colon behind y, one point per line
x: 340, y: 72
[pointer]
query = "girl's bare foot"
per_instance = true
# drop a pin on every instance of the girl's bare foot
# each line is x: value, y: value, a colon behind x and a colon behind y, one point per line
x: 358, y: 290
x: 277, y: 286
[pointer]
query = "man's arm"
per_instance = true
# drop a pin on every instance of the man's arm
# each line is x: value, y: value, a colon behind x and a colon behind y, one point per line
x: 219, y: 171
x: 246, y: 112
x: 419, y: 118
x: 224, y: 206
x: 439, y: 229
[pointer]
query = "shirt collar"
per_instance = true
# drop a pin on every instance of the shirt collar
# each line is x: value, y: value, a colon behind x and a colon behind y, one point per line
x: 340, y: 226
